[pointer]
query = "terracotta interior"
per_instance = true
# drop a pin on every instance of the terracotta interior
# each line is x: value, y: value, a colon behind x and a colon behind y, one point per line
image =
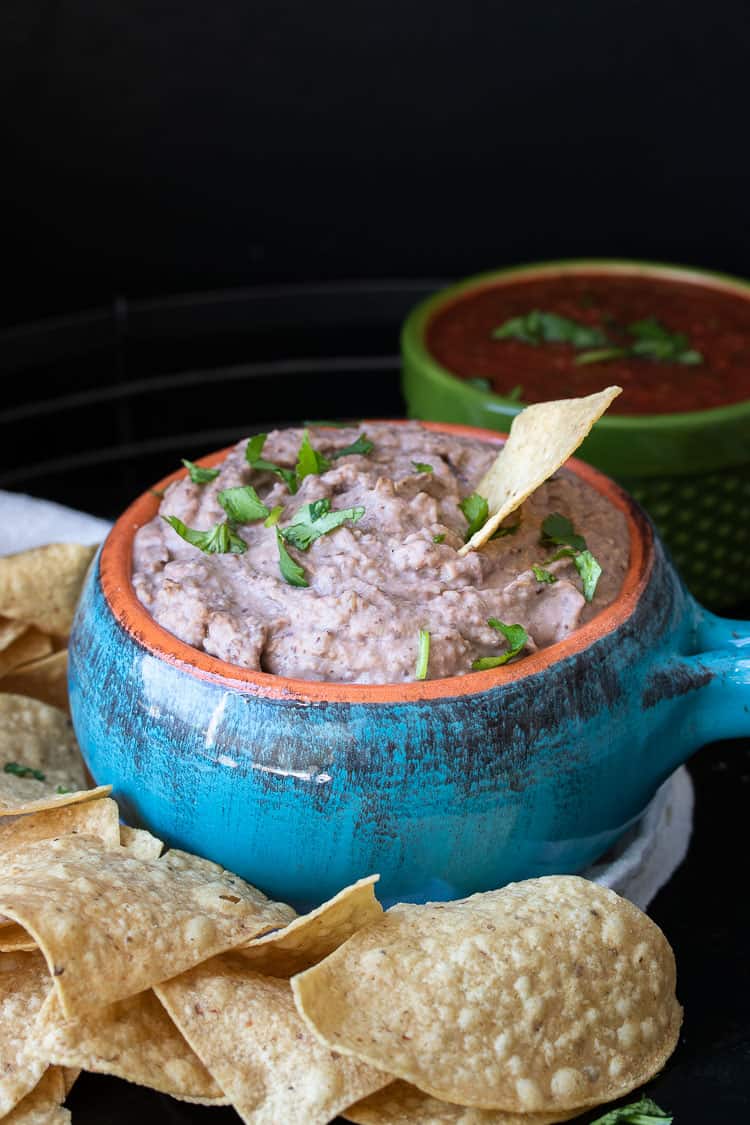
x: 116, y: 570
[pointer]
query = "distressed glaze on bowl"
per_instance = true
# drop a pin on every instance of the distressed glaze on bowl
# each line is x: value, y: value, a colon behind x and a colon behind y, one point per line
x: 446, y: 786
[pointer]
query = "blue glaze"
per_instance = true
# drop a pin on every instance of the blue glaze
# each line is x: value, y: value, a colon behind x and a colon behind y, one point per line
x: 443, y: 797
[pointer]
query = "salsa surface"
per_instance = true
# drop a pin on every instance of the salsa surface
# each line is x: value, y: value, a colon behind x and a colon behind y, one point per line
x: 716, y: 323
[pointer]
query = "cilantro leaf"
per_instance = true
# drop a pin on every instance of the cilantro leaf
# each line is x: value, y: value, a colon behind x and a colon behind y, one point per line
x: 515, y: 636
x: 503, y: 531
x: 309, y: 461
x: 543, y: 575
x: 590, y: 573
x: 62, y: 789
x: 253, y: 457
x: 600, y: 355
x: 479, y: 382
x: 316, y: 519
x: 514, y: 394
x: 273, y: 516
x: 242, y: 505
x: 198, y: 474
x: 422, y: 467
x: 642, y: 1112
x: 654, y: 341
x: 291, y: 571
x: 439, y: 538
x: 362, y: 446
x: 476, y: 510
x: 218, y: 540
x: 24, y: 771
x: 423, y: 655
x: 557, y: 530
x: 539, y: 327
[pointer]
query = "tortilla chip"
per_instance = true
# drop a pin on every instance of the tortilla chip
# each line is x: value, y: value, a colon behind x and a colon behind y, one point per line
x: 24, y: 985
x: 552, y: 994
x: 402, y: 1104
x: 310, y: 938
x: 15, y: 939
x: 94, y: 818
x: 10, y: 631
x: 45, y: 679
x: 246, y: 1029
x: 39, y: 737
x: 41, y: 586
x: 42, y: 1106
x: 542, y: 438
x: 31, y: 645
x: 132, y: 1039
x: 140, y: 843
x: 121, y: 924
x: 70, y: 1077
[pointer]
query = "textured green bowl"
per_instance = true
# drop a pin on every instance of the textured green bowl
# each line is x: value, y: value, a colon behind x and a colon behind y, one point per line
x: 691, y: 471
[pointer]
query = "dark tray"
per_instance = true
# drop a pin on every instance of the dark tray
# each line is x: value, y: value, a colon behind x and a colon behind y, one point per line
x: 97, y: 407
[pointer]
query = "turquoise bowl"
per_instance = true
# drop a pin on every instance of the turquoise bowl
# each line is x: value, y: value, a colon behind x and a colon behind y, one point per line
x: 445, y: 787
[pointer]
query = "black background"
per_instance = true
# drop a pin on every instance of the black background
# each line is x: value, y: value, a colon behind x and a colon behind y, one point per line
x: 163, y: 146
x: 171, y: 147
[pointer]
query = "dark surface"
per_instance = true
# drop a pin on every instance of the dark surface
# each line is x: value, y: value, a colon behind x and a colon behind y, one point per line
x: 155, y: 147
x: 116, y: 400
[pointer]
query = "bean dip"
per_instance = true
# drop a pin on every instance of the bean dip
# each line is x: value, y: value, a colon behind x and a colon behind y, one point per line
x: 373, y: 582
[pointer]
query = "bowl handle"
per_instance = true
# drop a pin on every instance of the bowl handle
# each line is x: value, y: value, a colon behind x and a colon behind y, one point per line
x: 714, y: 683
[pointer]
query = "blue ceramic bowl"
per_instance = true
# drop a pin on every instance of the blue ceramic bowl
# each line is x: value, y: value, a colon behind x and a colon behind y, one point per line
x: 445, y: 787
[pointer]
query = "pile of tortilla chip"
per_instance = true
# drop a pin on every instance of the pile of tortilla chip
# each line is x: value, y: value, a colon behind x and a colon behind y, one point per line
x: 38, y: 594
x: 523, y: 1006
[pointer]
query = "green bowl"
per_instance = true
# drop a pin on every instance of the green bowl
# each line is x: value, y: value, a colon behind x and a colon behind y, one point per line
x: 691, y: 470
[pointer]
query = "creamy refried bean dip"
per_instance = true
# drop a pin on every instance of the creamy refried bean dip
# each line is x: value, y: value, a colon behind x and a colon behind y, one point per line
x: 380, y: 576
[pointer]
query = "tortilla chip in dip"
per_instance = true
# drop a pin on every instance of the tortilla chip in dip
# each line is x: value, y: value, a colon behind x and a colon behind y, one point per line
x: 41, y: 587
x: 40, y: 763
x: 247, y: 1031
x: 122, y: 924
x: 132, y: 1039
x: 542, y: 438
x: 551, y: 994
x: 311, y: 937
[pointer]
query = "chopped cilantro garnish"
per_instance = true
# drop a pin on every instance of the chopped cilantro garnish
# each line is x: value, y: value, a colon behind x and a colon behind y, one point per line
x: 514, y: 394
x: 291, y: 571
x: 590, y: 572
x: 423, y: 655
x: 476, y: 510
x: 642, y: 1112
x: 316, y: 519
x: 503, y: 531
x: 599, y: 355
x: 439, y: 538
x: 218, y: 540
x: 480, y: 383
x: 421, y: 467
x: 253, y: 457
x: 242, y: 505
x: 62, y: 789
x: 543, y: 575
x: 309, y: 461
x: 198, y: 474
x: 23, y: 771
x: 539, y: 327
x: 515, y: 636
x: 273, y: 516
x: 362, y: 446
x: 557, y: 530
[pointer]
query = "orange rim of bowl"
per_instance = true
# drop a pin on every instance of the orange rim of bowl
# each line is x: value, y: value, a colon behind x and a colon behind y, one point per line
x: 116, y: 579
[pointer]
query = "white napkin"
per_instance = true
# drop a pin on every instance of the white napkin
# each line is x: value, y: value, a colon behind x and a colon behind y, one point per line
x: 638, y: 867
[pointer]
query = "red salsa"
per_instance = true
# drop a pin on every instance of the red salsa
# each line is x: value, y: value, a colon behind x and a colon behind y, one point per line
x: 716, y: 323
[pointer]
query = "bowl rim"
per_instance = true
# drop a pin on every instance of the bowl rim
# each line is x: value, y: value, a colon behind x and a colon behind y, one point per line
x: 115, y: 570
x: 415, y: 326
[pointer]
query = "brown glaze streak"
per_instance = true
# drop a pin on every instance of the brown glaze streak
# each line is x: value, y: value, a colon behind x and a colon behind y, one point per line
x: 116, y: 571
